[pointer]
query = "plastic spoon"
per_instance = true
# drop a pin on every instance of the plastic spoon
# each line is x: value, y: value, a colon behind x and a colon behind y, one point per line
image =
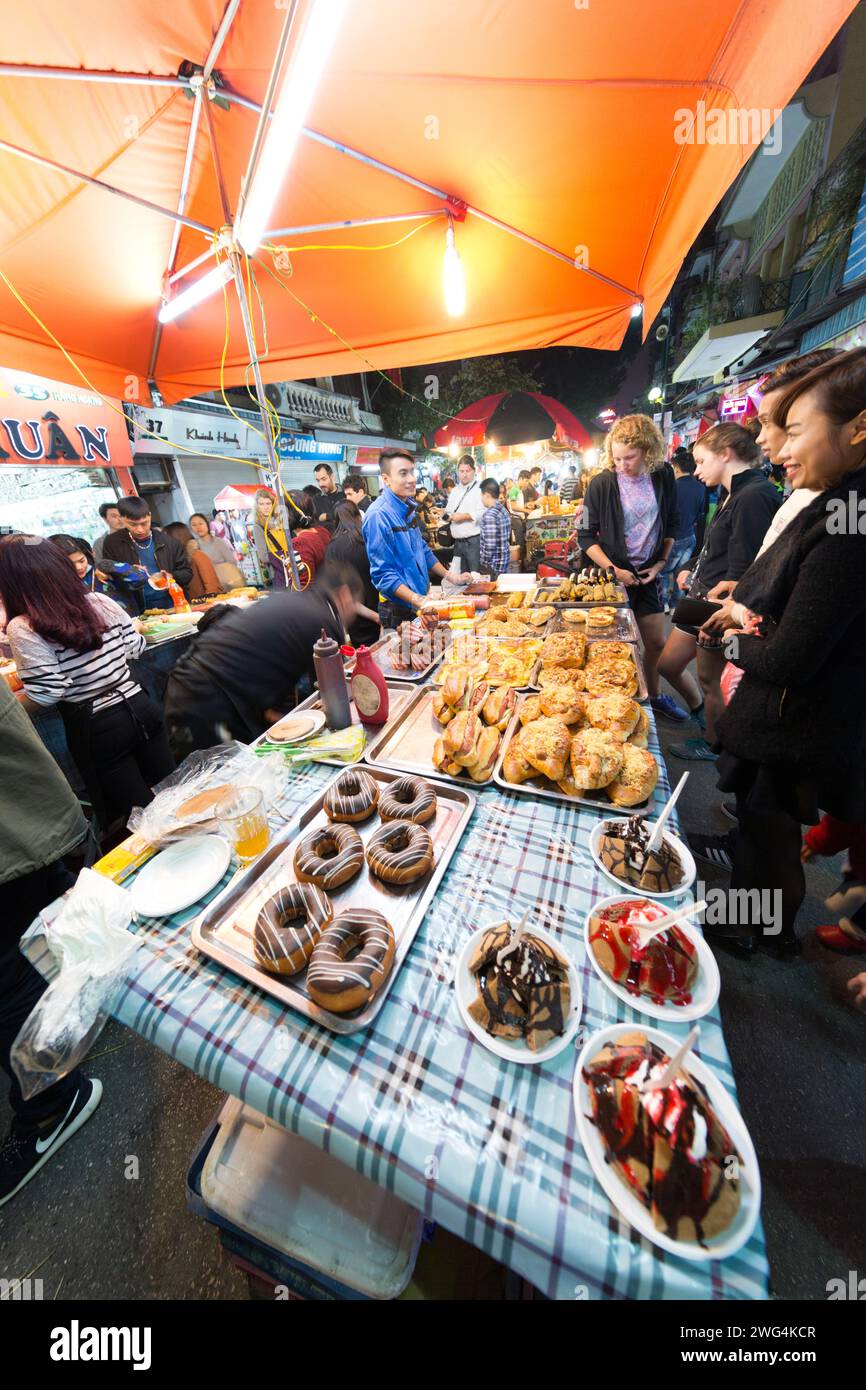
x: 515, y: 938
x: 673, y: 1065
x: 670, y: 919
x: 666, y: 810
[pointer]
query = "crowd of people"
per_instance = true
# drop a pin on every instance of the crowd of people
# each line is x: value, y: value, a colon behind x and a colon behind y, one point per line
x: 750, y: 604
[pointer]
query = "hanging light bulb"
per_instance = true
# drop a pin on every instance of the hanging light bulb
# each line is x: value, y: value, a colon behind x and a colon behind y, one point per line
x: 453, y: 279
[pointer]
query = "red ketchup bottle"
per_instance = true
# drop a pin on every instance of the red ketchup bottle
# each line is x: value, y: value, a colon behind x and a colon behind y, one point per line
x: 369, y: 689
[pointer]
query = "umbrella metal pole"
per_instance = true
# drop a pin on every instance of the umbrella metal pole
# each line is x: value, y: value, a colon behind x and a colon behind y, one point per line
x: 6, y: 148
x: 273, y: 461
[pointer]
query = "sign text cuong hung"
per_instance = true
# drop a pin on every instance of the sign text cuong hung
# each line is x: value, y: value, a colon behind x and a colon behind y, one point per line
x: 47, y: 422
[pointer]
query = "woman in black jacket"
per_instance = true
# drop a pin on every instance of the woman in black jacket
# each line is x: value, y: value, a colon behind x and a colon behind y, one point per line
x: 347, y: 546
x: 628, y: 523
x: 793, y: 738
x: 727, y: 457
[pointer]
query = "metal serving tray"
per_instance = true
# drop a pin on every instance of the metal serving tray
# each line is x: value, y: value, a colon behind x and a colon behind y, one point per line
x: 540, y: 786
x: 225, y: 930
x: 399, y: 692
x: 380, y: 656
x: 641, y: 694
x: 624, y: 627
x: 537, y: 635
x: 408, y: 744
x: 548, y: 585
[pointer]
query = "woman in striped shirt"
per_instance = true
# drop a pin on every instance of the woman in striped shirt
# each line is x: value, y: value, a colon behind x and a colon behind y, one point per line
x: 71, y: 649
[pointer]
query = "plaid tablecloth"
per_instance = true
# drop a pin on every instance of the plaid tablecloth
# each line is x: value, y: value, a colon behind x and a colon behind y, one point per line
x: 488, y: 1149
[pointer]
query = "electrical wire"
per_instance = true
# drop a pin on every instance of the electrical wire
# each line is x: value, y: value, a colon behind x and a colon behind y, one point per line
x: 377, y: 371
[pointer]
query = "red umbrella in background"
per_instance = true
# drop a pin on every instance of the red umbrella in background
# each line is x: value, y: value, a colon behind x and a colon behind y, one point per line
x: 513, y: 417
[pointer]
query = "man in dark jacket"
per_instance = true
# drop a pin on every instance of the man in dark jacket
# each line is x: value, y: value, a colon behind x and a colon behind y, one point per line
x: 143, y: 544
x: 240, y: 674
x: 40, y: 822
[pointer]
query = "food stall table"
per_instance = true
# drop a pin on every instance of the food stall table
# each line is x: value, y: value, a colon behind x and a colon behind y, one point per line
x: 486, y: 1148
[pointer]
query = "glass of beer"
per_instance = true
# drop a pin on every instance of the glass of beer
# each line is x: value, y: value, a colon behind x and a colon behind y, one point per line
x: 242, y: 819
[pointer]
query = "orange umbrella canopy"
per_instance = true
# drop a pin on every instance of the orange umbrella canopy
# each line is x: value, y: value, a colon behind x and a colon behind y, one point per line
x: 566, y: 122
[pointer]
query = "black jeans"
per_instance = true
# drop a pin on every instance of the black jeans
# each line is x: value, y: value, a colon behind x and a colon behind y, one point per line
x: 766, y: 857
x: 21, y: 987
x: 129, y: 753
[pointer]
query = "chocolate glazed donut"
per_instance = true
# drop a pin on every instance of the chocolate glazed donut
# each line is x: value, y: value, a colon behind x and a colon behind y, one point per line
x: 338, y: 984
x: 329, y: 857
x: 409, y: 798
x: 400, y: 851
x: 352, y: 797
x: 288, y: 927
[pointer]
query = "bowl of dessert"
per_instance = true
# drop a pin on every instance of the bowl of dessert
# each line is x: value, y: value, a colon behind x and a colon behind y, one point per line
x: 670, y: 973
x: 518, y: 992
x: 619, y: 848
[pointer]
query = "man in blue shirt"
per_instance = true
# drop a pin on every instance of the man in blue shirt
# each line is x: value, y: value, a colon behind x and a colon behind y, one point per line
x: 495, y: 526
x: 401, y: 562
x: 692, y: 506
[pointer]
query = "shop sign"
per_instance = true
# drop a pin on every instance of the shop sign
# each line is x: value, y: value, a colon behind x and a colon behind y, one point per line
x: 306, y: 446
x: 166, y: 431
x: 48, y: 423
x: 734, y: 407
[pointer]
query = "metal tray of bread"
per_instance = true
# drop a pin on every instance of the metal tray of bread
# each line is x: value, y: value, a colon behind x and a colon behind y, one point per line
x: 463, y: 643
x: 624, y: 627
x: 380, y: 651
x: 399, y: 693
x: 641, y: 694
x: 224, y: 932
x: 408, y: 744
x: 541, y: 787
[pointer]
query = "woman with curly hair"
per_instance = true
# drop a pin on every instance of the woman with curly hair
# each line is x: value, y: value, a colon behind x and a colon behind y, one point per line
x: 628, y: 524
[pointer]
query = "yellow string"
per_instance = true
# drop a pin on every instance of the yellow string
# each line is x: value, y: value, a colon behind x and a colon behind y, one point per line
x: 276, y: 275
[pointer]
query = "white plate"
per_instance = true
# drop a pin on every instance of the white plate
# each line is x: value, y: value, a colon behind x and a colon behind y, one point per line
x: 707, y: 985
x: 515, y: 1050
x: 178, y: 876
x: 679, y: 846
x: 310, y: 722
x: 626, y: 1203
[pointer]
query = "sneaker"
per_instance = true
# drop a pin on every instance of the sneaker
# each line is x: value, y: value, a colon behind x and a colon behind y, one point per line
x: 694, y: 750
x: 849, y: 898
x: 729, y: 809
x: 699, y: 716
x: 714, y: 849
x: 24, y: 1152
x: 668, y: 708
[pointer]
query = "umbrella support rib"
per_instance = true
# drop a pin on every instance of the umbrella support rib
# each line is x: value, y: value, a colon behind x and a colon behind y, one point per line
x: 107, y: 188
x: 357, y: 222
x: 181, y: 204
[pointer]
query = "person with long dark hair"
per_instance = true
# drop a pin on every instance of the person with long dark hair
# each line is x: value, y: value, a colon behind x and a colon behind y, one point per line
x: 726, y: 457
x: 310, y: 538
x: 347, y: 546
x: 80, y: 556
x: 72, y: 649
x: 793, y: 738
